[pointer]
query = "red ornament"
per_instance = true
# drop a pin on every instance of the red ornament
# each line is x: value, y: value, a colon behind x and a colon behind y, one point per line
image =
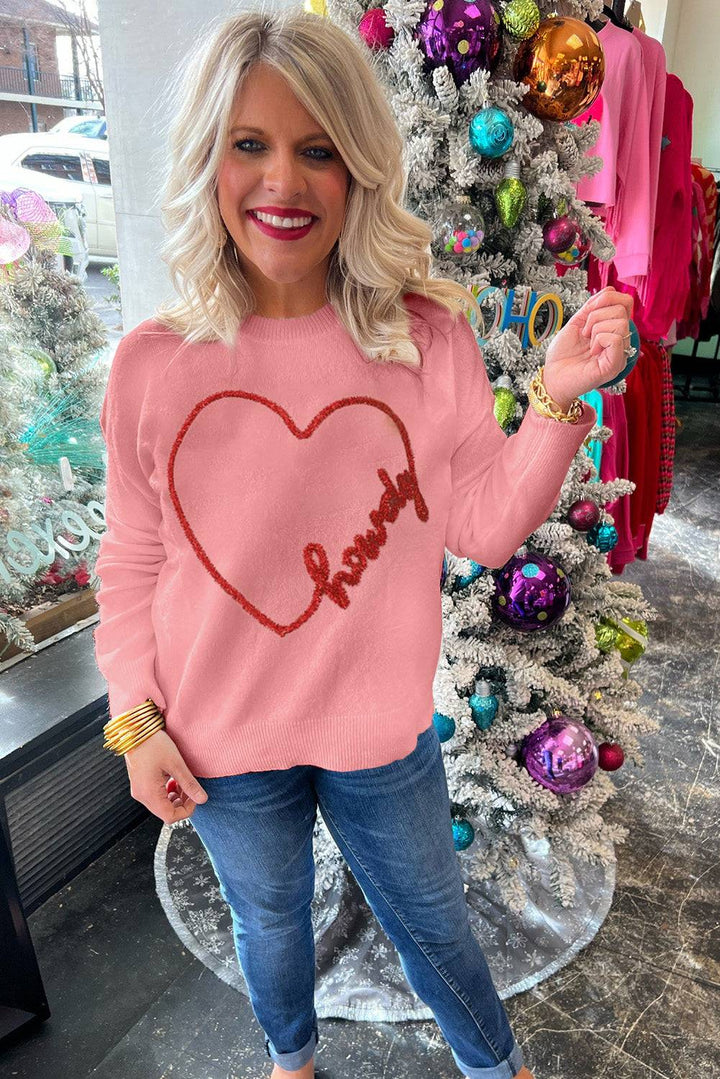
x: 374, y: 29
x: 583, y: 514
x: 610, y: 756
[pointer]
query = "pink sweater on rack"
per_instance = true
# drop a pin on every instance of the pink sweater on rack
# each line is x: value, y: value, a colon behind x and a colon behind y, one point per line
x: 278, y: 514
x: 623, y: 186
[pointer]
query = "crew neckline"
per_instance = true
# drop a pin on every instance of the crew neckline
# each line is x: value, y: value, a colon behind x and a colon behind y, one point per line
x: 265, y: 328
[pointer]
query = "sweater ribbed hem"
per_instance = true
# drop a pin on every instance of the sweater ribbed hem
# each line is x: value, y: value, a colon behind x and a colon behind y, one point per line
x: 339, y: 743
x: 262, y: 328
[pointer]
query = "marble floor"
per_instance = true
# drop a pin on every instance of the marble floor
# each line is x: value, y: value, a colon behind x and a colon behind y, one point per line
x: 642, y: 1001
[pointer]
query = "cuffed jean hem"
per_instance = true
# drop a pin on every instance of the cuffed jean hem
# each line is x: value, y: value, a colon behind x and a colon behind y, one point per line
x: 506, y: 1069
x: 292, y: 1062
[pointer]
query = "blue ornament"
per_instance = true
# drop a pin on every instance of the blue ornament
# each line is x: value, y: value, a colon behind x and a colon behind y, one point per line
x: 444, y: 725
x: 491, y: 132
x: 464, y: 579
x: 483, y: 705
x: 634, y: 343
x: 463, y: 833
x: 443, y: 572
x: 604, y: 536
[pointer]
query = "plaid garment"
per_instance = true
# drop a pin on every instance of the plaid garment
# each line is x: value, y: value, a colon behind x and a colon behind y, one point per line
x: 667, y: 432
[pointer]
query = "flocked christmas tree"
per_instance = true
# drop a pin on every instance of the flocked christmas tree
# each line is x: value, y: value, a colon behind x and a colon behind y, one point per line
x: 51, y: 446
x: 534, y: 702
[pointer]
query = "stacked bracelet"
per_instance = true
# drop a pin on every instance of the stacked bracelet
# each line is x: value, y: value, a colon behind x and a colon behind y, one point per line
x: 130, y: 728
x: 543, y: 403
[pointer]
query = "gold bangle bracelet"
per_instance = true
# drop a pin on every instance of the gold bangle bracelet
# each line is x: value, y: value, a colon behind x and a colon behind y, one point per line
x: 543, y: 403
x: 130, y: 728
x: 133, y: 732
x: 129, y: 741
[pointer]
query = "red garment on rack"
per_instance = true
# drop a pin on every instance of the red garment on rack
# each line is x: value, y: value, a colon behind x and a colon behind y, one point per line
x: 613, y: 466
x: 667, y: 432
x: 643, y: 407
x: 698, y: 298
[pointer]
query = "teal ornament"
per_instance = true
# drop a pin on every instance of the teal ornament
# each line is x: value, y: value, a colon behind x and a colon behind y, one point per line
x: 483, y: 705
x: 505, y: 403
x: 510, y: 196
x: 444, y: 725
x: 464, y: 579
x: 603, y: 536
x: 491, y: 132
x: 463, y: 833
x: 632, y: 358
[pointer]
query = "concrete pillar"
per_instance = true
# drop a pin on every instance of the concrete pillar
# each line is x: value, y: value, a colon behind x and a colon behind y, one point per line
x: 141, y: 45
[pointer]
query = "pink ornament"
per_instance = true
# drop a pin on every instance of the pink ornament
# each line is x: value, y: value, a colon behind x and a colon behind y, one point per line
x: 610, y: 756
x: 374, y: 30
x: 559, y: 234
x: 561, y: 754
x: 583, y: 514
x: 31, y: 207
x: 14, y: 241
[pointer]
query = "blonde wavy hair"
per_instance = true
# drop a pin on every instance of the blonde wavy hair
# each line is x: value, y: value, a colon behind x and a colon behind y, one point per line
x: 383, y: 250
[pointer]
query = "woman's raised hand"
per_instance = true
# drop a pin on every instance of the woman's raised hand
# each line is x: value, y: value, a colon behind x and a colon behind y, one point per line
x: 160, y: 779
x: 591, y: 348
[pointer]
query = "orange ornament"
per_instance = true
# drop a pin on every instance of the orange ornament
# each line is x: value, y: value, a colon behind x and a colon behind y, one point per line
x: 564, y: 66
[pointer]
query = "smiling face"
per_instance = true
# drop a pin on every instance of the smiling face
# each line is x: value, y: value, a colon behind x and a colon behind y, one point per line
x: 285, y: 163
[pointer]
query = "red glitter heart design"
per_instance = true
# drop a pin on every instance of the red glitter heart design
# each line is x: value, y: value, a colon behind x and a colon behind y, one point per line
x: 364, y: 546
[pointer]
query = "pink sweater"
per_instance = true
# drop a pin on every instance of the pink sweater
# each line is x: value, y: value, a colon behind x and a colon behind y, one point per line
x: 277, y: 518
x: 623, y: 187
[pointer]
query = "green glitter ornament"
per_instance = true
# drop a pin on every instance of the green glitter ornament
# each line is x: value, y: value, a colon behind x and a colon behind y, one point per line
x: 606, y: 635
x: 632, y: 639
x: 520, y: 18
x: 510, y: 196
x: 504, y: 407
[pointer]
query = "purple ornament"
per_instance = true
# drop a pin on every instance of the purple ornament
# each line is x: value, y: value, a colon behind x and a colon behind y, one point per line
x: 583, y: 514
x: 531, y: 592
x: 559, y: 234
x: 561, y: 754
x: 464, y: 35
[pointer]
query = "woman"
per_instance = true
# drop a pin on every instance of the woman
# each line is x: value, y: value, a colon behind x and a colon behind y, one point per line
x: 291, y: 446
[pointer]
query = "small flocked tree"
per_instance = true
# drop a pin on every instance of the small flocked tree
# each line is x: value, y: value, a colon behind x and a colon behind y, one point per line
x: 51, y: 446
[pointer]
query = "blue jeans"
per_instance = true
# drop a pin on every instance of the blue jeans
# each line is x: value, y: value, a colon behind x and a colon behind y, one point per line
x: 393, y: 827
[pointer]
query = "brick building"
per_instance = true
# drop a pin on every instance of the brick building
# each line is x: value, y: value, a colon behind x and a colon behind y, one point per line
x: 34, y: 94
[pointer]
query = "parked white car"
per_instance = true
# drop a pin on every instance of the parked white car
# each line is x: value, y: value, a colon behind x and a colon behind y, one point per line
x: 81, y: 165
x: 68, y: 207
x: 92, y: 127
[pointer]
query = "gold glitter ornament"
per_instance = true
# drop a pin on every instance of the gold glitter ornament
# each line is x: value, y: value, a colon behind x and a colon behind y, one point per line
x: 520, y: 18
x: 315, y: 7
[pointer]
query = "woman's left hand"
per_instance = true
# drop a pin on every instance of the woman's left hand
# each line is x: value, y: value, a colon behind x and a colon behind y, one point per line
x: 591, y: 348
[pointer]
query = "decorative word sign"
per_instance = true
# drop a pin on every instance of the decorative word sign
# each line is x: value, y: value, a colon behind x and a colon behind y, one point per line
x: 35, y: 556
x: 521, y: 321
